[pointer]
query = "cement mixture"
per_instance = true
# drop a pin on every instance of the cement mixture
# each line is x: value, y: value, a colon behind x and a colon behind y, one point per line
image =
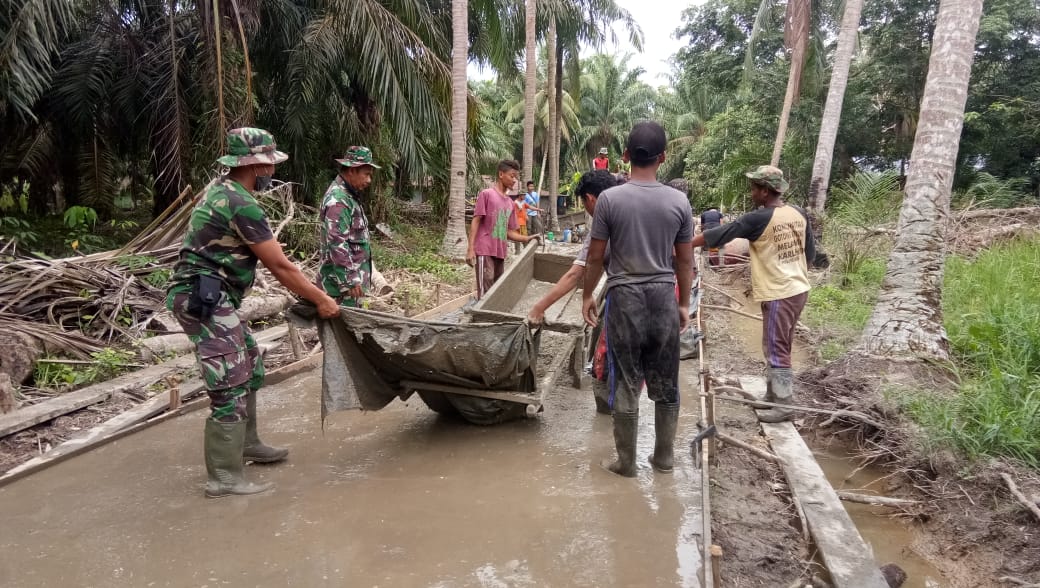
x: 399, y: 497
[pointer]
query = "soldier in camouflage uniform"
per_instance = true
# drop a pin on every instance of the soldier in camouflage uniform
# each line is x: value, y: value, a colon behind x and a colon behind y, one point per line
x: 228, y: 233
x: 346, y: 250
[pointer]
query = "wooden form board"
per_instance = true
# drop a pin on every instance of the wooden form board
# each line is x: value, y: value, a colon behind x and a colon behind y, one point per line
x: 506, y: 292
x: 847, y: 556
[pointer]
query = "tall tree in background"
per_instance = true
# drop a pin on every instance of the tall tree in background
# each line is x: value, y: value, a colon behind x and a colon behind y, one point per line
x: 821, y: 173
x: 907, y: 321
x: 530, y: 83
x: 455, y: 243
x: 796, y: 40
x: 554, y: 124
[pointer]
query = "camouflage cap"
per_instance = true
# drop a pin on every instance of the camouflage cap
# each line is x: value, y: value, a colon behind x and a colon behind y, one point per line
x: 251, y: 146
x: 357, y: 156
x: 769, y: 176
x: 603, y: 151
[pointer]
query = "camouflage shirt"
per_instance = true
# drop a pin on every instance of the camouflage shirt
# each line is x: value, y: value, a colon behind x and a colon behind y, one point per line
x: 346, y: 250
x: 225, y: 222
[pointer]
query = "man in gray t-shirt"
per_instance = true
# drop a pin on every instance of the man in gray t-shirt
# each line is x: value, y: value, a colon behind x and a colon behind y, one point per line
x: 649, y: 227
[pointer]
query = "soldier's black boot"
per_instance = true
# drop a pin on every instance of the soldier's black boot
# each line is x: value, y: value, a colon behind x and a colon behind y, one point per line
x: 666, y: 420
x: 781, y: 382
x: 254, y: 449
x: 223, y: 447
x: 626, y: 426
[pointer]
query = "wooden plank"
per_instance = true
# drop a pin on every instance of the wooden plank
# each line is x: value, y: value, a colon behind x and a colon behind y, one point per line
x: 444, y: 309
x: 507, y: 395
x: 550, y: 267
x: 494, y: 316
x: 507, y: 291
x: 30, y: 416
x: 847, y: 556
x: 115, y: 426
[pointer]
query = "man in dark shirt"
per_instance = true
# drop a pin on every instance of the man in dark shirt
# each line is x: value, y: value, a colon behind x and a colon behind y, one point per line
x: 649, y: 226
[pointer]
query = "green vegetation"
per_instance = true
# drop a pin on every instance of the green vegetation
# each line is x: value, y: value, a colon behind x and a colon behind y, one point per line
x: 992, y: 319
x: 107, y: 363
x: 416, y: 249
x: 992, y: 311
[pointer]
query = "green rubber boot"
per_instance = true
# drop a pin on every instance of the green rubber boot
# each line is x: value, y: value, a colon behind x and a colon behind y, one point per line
x: 254, y: 449
x: 223, y: 447
x: 781, y: 382
x: 626, y: 426
x: 666, y: 420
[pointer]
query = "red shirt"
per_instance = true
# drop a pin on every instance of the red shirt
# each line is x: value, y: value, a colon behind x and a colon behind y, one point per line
x: 600, y: 163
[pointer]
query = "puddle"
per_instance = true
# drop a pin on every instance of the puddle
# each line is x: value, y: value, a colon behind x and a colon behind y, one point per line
x: 890, y: 538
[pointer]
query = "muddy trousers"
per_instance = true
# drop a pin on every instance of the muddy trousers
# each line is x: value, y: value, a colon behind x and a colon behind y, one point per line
x: 779, y: 318
x: 642, y: 326
x: 488, y: 270
x: 229, y: 360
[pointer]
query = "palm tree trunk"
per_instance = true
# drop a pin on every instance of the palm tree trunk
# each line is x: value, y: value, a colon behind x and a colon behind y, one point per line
x: 907, y: 321
x: 530, y: 81
x: 793, y: 83
x: 455, y: 238
x: 821, y: 173
x: 554, y: 144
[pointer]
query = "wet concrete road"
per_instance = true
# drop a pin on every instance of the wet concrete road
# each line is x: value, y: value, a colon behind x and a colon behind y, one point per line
x: 399, y: 497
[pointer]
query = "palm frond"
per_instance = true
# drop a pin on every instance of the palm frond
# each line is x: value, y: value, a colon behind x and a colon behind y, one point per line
x: 29, y: 38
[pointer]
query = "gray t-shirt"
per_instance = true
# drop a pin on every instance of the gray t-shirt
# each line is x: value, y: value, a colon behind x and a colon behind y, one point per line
x: 642, y: 221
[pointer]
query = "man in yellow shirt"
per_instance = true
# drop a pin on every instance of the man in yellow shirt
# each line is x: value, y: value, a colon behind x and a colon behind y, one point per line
x: 781, y: 249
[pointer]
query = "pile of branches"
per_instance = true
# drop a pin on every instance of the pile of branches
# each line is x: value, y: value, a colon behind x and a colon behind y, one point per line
x: 103, y: 297
x: 82, y: 303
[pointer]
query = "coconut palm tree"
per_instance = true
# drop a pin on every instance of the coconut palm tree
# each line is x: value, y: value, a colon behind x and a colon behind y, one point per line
x: 530, y: 81
x: 907, y: 321
x: 455, y: 239
x: 821, y: 172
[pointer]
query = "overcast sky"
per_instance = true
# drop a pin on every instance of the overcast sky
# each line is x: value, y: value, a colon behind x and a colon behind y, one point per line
x: 658, y: 19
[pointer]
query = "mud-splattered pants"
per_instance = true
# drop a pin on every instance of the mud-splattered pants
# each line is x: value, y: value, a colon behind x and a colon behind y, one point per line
x: 779, y: 318
x: 229, y: 359
x: 488, y: 270
x: 642, y: 325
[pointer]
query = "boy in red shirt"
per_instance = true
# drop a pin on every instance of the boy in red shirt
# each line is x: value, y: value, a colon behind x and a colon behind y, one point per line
x: 494, y: 225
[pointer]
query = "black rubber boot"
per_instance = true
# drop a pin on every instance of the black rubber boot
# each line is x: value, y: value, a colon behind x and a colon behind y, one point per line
x: 254, y: 449
x: 223, y: 448
x: 626, y: 426
x: 666, y: 420
x: 601, y: 392
x: 781, y: 382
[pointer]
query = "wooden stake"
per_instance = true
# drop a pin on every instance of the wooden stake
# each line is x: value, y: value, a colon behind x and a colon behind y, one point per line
x: 747, y: 447
x: 716, y: 565
x: 175, y: 398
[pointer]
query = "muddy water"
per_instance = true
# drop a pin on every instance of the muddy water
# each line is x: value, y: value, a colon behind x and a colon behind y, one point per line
x: 398, y: 497
x: 890, y: 538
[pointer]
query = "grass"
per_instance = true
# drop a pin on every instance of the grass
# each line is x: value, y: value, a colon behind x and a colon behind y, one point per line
x: 992, y: 315
x: 416, y: 249
x: 991, y: 309
x: 839, y: 311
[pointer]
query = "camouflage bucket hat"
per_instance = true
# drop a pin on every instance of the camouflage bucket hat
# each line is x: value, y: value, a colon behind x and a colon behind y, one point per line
x: 769, y: 176
x: 251, y: 146
x: 357, y: 156
x: 603, y: 151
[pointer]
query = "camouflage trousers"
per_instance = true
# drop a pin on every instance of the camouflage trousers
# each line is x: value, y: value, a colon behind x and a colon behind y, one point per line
x: 229, y: 359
